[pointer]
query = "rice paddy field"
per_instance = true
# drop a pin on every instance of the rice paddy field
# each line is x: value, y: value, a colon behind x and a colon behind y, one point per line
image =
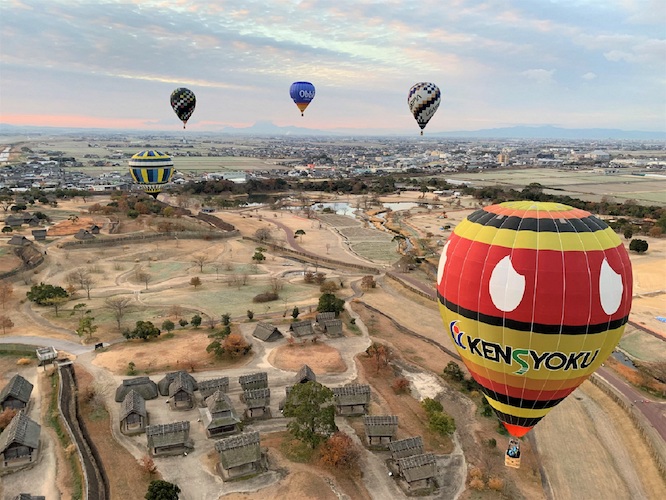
x: 586, y: 185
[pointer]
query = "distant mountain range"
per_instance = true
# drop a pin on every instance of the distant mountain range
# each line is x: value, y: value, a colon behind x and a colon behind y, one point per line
x: 270, y: 129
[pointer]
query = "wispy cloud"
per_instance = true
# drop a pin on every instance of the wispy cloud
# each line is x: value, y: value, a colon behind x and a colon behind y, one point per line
x: 124, y: 56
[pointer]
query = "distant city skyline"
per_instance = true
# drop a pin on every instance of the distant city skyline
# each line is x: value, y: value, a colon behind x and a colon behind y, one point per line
x: 565, y: 63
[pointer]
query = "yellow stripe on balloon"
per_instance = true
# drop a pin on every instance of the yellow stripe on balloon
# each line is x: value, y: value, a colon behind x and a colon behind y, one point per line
x: 516, y: 411
x: 509, y: 238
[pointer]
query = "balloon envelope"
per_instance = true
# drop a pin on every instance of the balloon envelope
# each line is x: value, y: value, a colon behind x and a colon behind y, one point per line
x: 535, y: 297
x: 183, y: 102
x: 151, y: 170
x: 423, y: 101
x: 302, y: 93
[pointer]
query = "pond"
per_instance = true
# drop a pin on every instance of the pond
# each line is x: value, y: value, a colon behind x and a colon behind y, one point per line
x: 623, y: 358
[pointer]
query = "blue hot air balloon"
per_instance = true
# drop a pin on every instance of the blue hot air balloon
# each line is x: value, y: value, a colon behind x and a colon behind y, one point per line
x: 151, y: 170
x: 302, y: 93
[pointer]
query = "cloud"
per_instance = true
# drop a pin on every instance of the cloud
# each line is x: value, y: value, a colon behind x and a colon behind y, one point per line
x: 541, y: 76
x: 589, y: 76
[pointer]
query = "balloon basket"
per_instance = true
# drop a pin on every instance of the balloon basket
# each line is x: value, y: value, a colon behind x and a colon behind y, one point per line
x: 512, y: 455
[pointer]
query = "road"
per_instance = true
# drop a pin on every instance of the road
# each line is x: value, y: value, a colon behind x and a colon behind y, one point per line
x: 60, y: 345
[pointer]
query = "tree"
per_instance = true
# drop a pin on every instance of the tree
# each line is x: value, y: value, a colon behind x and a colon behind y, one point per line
x: 200, y: 260
x: 638, y: 246
x: 48, y: 295
x: 83, y: 279
x: 183, y: 322
x: 431, y: 406
x: 368, y: 282
x: 250, y: 315
x: 259, y: 255
x: 441, y: 423
x: 216, y: 348
x: 118, y: 306
x: 144, y: 278
x: 263, y: 235
x: 144, y: 330
x: 86, y: 326
x: 453, y: 371
x: 226, y: 319
x: 340, y: 452
x: 330, y: 303
x: 381, y: 353
x: 196, y: 321
x: 295, y: 312
x: 6, y: 291
x: 195, y: 281
x: 236, y: 346
x: 329, y: 286
x: 168, y: 325
x: 162, y: 490
x: 299, y: 232
x: 628, y: 233
x: 311, y: 405
x: 5, y: 322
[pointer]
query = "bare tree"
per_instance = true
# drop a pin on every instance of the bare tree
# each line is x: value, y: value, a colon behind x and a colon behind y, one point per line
x: 200, y: 260
x: 263, y: 235
x: 119, y: 306
x: 144, y: 278
x: 6, y: 291
x: 83, y: 278
x: 5, y: 322
x: 277, y: 284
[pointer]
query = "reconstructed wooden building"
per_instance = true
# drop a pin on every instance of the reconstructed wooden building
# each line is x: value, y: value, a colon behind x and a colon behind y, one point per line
x: 133, y: 414
x: 352, y: 399
x: 164, y: 384
x: 16, y: 394
x: 253, y: 381
x: 258, y: 402
x: 418, y: 471
x: 47, y: 355
x: 239, y: 455
x: 19, y: 442
x: 267, y: 332
x: 219, y: 417
x: 406, y: 447
x: 141, y: 385
x: 208, y: 387
x: 169, y: 439
x: 181, y: 392
x: 301, y: 328
x: 304, y: 375
x: 381, y: 429
x: 332, y: 327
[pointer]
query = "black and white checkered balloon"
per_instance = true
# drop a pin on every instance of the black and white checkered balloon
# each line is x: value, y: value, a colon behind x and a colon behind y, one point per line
x: 423, y: 100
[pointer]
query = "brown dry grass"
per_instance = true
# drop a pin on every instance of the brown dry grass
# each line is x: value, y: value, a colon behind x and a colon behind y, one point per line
x: 636, y: 377
x: 185, y: 351
x: 320, y: 357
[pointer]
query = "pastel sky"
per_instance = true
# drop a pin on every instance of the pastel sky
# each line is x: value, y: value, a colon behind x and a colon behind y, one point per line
x: 113, y: 63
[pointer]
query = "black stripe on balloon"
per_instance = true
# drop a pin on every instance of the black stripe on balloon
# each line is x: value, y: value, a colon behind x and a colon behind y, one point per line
x: 513, y: 420
x: 524, y: 326
x: 585, y: 225
x: 529, y: 404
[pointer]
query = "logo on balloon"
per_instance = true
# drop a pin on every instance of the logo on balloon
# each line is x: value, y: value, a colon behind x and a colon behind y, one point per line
x: 306, y: 94
x: 456, y: 333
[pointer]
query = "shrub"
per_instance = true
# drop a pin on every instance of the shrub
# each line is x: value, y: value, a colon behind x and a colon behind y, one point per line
x: 477, y: 484
x: 147, y: 465
x: 496, y: 483
x: 265, y: 297
x: 492, y: 443
x: 24, y: 361
x: 431, y: 405
x: 400, y: 385
x: 339, y: 451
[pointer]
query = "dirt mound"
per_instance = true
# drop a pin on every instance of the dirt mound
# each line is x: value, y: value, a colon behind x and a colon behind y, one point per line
x: 67, y: 227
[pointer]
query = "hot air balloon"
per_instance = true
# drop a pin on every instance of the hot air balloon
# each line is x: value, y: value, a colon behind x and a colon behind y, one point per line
x: 423, y: 100
x: 302, y: 93
x: 183, y: 102
x: 151, y: 170
x: 535, y: 297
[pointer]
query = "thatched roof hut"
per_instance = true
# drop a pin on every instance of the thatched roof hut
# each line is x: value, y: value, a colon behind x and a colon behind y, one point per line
x: 208, y: 387
x: 19, y: 442
x: 301, y: 328
x: 239, y: 455
x: 324, y: 316
x: 305, y: 374
x: 163, y: 385
x: 170, y: 438
x: 352, y: 399
x: 267, y: 332
x: 332, y: 327
x: 143, y: 386
x: 16, y: 394
x: 379, y: 428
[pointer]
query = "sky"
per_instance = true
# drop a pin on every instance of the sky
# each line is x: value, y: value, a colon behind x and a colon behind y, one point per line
x: 499, y: 63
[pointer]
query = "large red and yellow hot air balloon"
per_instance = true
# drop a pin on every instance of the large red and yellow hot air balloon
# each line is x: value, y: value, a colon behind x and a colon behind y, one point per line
x: 535, y: 297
